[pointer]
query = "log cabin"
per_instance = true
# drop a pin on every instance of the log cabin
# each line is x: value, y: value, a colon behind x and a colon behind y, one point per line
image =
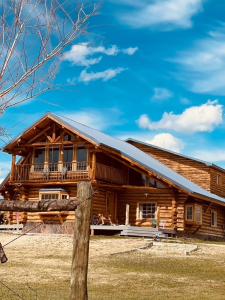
x: 135, y: 183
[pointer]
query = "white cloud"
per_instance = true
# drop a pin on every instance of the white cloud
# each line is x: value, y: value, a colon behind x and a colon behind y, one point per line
x: 203, y: 66
x: 103, y: 75
x: 101, y: 120
x: 85, y: 55
x: 167, y: 13
x: 203, y: 118
x: 167, y: 141
x: 161, y: 94
x: 4, y: 169
x: 130, y: 51
x: 212, y: 155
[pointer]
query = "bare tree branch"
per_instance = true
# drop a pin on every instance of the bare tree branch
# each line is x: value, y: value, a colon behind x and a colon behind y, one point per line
x: 33, y: 34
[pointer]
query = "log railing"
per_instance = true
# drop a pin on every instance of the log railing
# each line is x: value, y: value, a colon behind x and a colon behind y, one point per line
x: 51, y: 172
x: 111, y: 174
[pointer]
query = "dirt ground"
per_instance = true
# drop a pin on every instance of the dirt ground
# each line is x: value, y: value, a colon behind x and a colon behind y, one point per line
x: 39, y: 268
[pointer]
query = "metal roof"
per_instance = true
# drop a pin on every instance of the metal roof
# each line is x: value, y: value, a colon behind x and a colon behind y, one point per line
x: 143, y: 159
x: 136, y: 155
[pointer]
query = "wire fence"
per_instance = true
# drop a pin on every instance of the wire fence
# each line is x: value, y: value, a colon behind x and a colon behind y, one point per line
x: 27, y: 292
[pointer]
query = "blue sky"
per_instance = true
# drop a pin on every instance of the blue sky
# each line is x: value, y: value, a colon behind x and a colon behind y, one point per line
x: 153, y: 70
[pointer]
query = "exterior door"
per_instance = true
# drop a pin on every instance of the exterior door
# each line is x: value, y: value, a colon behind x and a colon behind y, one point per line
x: 111, y: 205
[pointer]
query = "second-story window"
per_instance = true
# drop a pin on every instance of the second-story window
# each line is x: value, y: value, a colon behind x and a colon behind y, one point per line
x: 53, y: 159
x: 82, y: 158
x: 68, y: 157
x: 39, y: 159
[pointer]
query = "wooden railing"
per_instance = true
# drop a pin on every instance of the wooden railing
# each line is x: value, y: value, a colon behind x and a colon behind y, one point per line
x: 111, y: 174
x: 51, y: 172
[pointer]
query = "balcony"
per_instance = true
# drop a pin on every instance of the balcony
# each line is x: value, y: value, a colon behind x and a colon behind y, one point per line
x: 56, y: 172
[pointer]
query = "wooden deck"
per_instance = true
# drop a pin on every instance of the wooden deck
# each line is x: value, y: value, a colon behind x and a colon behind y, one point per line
x: 124, y: 230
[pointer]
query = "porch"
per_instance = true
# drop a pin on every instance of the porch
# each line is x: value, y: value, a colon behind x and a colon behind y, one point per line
x: 126, y: 230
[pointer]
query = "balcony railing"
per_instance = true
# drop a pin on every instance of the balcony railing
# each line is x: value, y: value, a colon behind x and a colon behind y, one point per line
x: 51, y: 172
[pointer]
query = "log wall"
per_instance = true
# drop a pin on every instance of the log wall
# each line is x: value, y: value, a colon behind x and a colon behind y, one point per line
x: 216, y: 187
x: 206, y: 229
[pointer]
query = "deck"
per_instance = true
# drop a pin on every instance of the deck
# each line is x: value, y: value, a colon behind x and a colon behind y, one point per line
x: 134, y: 231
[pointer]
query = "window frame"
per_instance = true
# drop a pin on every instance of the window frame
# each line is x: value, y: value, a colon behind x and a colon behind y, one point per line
x: 79, y: 167
x: 186, y: 215
x: 140, y: 210
x: 195, y: 207
x: 60, y: 195
x: 38, y: 167
x: 215, y: 213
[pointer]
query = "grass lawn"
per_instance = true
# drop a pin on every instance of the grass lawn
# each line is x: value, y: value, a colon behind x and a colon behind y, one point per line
x: 39, y: 268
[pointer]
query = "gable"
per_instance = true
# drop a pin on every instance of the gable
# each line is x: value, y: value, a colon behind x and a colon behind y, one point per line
x: 47, y: 130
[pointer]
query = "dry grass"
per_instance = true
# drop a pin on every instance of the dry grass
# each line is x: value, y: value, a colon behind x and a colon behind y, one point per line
x: 42, y: 264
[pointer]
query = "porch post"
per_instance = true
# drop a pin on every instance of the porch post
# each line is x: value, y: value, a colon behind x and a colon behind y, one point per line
x: 13, y: 168
x: 61, y: 158
x: 127, y: 222
x: 93, y: 165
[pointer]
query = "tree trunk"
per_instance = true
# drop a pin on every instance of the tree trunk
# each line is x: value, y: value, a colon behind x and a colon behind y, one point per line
x: 81, y: 243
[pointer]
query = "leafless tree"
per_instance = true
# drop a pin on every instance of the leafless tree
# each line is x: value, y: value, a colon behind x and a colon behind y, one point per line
x: 33, y: 35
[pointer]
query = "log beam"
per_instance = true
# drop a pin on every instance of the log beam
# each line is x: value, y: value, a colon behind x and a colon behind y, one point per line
x: 40, y: 206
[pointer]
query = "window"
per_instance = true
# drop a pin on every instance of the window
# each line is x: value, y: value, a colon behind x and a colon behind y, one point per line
x: 68, y: 137
x: 53, y: 159
x: 68, y: 158
x: 189, y: 213
x: 39, y: 159
x: 147, y: 210
x: 218, y: 179
x: 82, y: 155
x: 193, y: 213
x: 48, y: 196
x: 213, y: 218
x: 54, y: 194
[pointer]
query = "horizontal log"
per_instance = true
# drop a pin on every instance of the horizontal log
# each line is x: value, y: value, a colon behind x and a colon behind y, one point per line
x: 39, y: 206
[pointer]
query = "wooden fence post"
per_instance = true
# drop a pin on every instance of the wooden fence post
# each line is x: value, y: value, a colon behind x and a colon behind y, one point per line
x: 79, y: 268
